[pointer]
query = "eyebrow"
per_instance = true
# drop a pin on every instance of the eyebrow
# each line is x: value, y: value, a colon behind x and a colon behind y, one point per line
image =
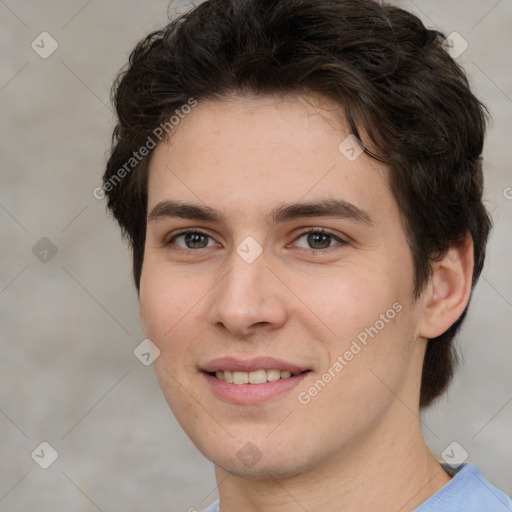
x: 324, y: 208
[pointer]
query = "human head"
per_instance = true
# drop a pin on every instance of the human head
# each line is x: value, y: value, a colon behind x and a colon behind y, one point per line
x: 402, y: 95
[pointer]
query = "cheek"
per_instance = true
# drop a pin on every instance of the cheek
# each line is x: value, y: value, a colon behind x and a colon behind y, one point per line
x: 167, y: 313
x: 350, y: 299
x: 171, y: 312
x: 369, y: 330
x: 162, y: 302
x: 368, y: 365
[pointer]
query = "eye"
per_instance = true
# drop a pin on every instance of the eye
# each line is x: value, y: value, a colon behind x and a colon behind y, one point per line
x: 315, y: 239
x: 318, y: 239
x: 191, y: 240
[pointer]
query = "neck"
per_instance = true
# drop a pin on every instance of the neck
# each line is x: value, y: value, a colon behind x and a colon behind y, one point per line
x: 392, y: 469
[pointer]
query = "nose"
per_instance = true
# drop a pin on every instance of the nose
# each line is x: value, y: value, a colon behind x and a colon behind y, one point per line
x: 249, y: 298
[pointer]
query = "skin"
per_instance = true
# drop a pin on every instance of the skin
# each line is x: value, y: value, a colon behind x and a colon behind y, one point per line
x: 356, y: 445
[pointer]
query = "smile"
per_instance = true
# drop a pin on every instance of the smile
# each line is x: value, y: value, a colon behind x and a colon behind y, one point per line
x: 241, y: 381
x: 254, y: 377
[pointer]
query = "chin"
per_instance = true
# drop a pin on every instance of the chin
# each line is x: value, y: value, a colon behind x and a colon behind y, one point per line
x: 265, y: 469
x: 260, y: 460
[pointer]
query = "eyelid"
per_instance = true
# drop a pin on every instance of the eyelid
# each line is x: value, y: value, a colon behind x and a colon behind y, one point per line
x: 311, y: 229
x: 185, y: 231
x: 342, y: 240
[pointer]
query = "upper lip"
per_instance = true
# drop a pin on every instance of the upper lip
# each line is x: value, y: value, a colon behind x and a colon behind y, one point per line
x: 234, y: 364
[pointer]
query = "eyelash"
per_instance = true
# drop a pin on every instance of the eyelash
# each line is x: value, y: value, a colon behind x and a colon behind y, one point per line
x: 307, y: 231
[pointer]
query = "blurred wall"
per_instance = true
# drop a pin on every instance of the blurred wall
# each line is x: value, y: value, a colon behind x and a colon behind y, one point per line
x: 68, y: 317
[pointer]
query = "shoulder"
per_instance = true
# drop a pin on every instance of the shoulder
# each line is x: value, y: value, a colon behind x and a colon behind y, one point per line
x: 470, y: 491
x: 214, y: 507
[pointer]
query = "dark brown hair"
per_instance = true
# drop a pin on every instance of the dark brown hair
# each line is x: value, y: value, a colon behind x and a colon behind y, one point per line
x: 402, y: 93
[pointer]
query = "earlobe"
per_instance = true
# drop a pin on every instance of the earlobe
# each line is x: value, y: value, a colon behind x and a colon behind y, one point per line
x: 449, y: 290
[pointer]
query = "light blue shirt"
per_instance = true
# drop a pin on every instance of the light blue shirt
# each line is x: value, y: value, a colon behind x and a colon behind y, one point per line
x: 467, y: 491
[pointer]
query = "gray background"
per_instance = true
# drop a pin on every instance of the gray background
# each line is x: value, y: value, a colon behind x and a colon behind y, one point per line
x: 69, y: 325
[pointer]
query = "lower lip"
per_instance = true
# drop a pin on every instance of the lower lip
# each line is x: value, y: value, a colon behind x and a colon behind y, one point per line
x: 251, y: 393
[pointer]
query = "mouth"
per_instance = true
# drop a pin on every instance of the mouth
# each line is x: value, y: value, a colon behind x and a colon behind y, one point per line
x: 254, y: 377
x: 252, y: 381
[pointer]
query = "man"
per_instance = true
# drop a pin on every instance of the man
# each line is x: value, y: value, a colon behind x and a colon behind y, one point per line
x: 301, y: 185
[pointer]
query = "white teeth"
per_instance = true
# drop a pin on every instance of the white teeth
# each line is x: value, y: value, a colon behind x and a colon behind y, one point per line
x: 240, y: 378
x: 255, y: 377
x: 258, y: 377
x: 273, y: 375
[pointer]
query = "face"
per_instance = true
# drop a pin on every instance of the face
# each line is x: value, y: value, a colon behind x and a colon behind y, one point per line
x: 277, y: 285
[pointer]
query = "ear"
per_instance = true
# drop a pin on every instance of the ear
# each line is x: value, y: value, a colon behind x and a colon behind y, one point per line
x: 448, y: 291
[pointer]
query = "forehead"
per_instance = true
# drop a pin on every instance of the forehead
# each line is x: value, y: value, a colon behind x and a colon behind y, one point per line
x: 249, y: 154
